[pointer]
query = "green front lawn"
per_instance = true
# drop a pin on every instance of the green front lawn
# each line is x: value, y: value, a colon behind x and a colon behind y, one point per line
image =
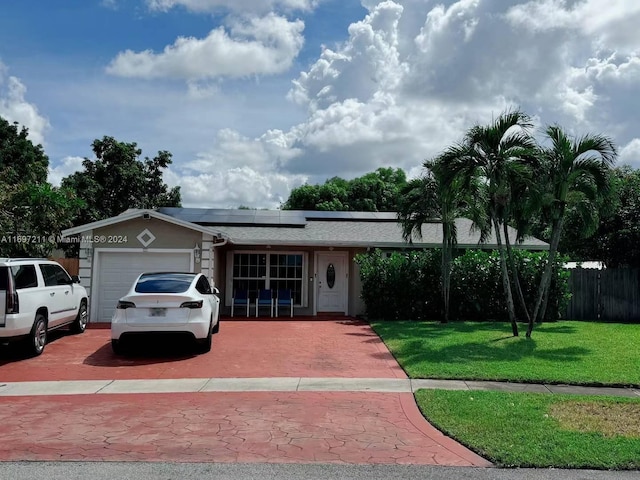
x: 537, y: 430
x: 561, y: 352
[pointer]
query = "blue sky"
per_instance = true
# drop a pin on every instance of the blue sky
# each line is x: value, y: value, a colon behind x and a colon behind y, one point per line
x: 254, y: 98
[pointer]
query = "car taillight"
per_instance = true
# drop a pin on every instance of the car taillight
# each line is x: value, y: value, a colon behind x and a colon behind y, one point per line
x: 197, y: 304
x: 124, y: 305
x: 13, y: 304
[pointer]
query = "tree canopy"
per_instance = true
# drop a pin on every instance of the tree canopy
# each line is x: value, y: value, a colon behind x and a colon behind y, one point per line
x: 117, y: 180
x: 377, y: 191
x: 20, y: 160
x: 32, y: 212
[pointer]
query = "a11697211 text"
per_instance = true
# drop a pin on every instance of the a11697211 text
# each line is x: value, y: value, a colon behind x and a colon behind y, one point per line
x: 59, y: 239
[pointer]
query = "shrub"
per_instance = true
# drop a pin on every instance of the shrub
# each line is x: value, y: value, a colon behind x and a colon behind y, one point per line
x: 407, y: 285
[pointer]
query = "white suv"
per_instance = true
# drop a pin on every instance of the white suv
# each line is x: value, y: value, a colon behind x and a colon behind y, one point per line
x: 37, y: 296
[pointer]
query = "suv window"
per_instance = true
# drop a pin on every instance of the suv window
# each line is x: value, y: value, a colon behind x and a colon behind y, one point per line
x: 24, y: 276
x: 203, y: 286
x: 54, y: 275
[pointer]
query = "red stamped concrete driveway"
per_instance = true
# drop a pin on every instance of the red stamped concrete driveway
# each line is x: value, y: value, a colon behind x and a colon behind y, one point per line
x: 242, y: 349
x: 247, y: 426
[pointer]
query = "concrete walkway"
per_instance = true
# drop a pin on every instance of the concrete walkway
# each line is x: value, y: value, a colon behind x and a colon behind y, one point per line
x: 288, y: 384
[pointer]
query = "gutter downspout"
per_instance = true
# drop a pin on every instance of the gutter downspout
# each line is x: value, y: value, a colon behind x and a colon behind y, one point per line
x: 212, y: 258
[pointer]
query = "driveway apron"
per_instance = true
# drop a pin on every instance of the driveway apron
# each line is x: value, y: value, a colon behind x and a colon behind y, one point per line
x: 244, y: 426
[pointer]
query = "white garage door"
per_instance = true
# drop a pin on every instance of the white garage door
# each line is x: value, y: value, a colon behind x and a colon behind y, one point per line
x: 118, y: 270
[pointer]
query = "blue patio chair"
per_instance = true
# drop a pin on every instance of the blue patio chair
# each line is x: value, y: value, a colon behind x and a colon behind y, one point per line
x: 265, y: 299
x: 284, y: 300
x: 241, y: 299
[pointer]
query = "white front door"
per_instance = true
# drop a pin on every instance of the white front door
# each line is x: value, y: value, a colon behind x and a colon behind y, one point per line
x: 331, y: 284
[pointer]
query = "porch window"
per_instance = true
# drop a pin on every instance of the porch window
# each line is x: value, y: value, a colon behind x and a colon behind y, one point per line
x: 250, y: 272
x: 255, y: 271
x: 285, y: 272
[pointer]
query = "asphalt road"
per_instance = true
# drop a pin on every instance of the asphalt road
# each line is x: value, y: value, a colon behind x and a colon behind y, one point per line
x: 235, y: 471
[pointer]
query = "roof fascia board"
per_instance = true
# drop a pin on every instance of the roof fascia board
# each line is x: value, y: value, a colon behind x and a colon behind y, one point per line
x: 376, y: 245
x: 139, y: 214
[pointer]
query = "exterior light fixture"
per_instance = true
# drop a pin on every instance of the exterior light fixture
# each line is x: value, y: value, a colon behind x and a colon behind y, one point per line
x: 196, y: 253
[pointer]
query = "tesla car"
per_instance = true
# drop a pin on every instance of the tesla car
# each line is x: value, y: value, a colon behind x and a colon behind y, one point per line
x: 167, y: 302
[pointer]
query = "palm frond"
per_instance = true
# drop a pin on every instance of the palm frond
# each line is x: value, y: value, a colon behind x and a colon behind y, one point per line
x: 600, y: 145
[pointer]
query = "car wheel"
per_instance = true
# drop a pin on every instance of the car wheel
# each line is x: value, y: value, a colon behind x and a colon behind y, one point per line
x: 80, y: 323
x: 38, y: 336
x: 116, y: 346
x: 216, y: 327
x: 204, y: 345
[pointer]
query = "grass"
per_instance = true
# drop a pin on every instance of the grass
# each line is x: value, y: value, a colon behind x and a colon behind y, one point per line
x: 537, y: 430
x: 572, y: 352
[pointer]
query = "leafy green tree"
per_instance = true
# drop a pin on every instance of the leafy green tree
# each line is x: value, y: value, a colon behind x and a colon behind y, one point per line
x: 118, y: 180
x: 32, y: 212
x: 616, y: 241
x: 33, y: 217
x: 618, y: 237
x: 377, y: 191
x: 577, y: 173
x: 20, y: 160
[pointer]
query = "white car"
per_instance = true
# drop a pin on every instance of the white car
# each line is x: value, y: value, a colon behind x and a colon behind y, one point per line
x: 37, y: 296
x: 180, y: 303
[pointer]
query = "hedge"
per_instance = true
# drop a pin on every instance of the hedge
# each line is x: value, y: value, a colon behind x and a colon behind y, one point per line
x: 407, y: 285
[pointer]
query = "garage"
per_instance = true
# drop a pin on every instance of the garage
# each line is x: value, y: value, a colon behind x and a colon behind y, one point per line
x: 117, y: 271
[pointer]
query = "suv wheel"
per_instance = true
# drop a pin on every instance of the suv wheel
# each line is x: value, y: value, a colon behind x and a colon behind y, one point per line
x: 38, y: 336
x: 80, y: 323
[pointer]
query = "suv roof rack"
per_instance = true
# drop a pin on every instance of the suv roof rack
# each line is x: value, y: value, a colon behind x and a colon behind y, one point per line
x: 9, y: 260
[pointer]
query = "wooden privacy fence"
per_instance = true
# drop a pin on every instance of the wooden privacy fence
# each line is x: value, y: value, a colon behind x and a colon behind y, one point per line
x: 71, y: 265
x: 612, y: 294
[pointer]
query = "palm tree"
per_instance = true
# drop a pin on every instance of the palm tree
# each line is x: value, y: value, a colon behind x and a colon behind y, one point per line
x: 495, y: 155
x: 525, y: 203
x: 577, y: 173
x: 427, y: 198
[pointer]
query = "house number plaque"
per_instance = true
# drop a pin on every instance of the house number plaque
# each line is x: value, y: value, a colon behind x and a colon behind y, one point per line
x: 331, y: 275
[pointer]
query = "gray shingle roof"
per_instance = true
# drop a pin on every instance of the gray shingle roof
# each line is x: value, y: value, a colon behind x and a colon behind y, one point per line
x: 361, y: 231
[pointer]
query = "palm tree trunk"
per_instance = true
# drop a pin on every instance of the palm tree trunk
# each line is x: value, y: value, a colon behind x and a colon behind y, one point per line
x: 505, y: 279
x: 546, y: 276
x: 545, y: 302
x: 447, y: 248
x: 514, y: 270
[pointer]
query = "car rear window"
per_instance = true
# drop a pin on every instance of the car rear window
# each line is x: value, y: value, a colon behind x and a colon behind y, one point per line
x: 164, y: 282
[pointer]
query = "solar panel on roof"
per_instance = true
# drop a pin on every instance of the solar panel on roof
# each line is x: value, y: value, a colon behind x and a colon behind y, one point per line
x: 213, y: 216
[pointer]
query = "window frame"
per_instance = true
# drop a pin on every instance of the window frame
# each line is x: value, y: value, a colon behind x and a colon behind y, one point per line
x: 304, y: 297
x: 203, y: 283
x: 14, y: 269
x: 53, y: 266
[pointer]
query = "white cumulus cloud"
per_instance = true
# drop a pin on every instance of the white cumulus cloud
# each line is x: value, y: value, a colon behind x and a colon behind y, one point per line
x: 412, y: 77
x: 239, y: 171
x: 611, y: 22
x: 64, y: 168
x: 15, y: 108
x: 255, y: 46
x: 630, y: 153
x: 244, y: 6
